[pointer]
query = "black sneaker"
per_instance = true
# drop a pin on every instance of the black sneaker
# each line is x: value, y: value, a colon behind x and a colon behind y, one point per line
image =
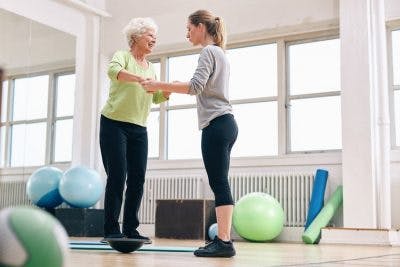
x: 216, y: 248
x: 136, y: 235
x: 117, y: 235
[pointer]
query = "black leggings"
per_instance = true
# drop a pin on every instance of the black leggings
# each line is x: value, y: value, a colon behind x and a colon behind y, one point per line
x: 217, y: 140
x: 124, y: 152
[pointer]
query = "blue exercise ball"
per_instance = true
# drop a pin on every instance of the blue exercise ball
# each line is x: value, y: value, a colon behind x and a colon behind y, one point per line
x: 42, y: 187
x: 213, y: 231
x: 81, y: 187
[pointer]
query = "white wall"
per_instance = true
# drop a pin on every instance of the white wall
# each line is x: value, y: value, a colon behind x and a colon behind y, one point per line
x: 26, y: 44
x: 240, y: 17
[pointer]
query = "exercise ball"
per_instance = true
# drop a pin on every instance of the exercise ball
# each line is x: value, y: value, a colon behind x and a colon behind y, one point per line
x: 258, y: 217
x: 81, y: 187
x: 213, y: 231
x: 42, y: 187
x: 31, y: 237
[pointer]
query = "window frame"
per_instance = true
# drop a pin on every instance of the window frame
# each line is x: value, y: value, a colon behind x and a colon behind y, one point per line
x: 290, y: 97
x: 50, y: 119
x: 282, y: 40
x: 391, y: 27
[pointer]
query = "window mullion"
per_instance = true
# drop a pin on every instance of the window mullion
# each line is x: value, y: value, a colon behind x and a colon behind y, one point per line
x: 282, y: 92
x: 7, y: 139
x: 162, y: 154
x: 49, y: 157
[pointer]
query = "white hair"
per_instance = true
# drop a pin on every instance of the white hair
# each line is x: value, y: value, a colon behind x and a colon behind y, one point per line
x: 137, y: 26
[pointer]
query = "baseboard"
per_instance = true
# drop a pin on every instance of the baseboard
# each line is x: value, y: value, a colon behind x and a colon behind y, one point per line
x: 357, y: 236
x: 328, y: 235
x: 289, y: 234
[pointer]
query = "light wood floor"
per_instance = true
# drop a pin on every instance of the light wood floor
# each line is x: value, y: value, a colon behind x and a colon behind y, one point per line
x: 248, y: 254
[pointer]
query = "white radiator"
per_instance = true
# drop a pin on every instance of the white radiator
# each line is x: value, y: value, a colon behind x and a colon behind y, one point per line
x: 293, y: 191
x: 183, y: 187
x: 13, y: 193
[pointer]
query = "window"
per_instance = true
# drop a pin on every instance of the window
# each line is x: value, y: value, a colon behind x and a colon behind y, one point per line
x: 396, y: 82
x: 183, y: 132
x: 153, y: 129
x: 314, y: 114
x: 274, y: 117
x: 37, y: 105
x: 253, y: 89
x: 65, y: 90
x: 181, y: 69
x: 28, y: 121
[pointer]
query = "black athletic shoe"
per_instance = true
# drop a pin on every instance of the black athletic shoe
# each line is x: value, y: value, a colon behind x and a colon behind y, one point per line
x: 117, y: 235
x: 136, y: 235
x: 216, y: 248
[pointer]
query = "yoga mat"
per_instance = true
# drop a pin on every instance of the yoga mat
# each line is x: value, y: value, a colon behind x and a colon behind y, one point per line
x: 317, y: 196
x: 313, y: 231
x: 104, y: 246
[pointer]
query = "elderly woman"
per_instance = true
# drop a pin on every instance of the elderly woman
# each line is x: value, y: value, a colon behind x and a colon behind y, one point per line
x: 123, y: 133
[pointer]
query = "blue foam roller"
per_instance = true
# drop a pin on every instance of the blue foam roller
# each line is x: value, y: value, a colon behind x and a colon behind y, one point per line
x: 317, y: 196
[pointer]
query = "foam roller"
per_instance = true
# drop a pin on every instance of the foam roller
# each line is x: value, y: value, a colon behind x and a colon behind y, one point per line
x: 310, y: 236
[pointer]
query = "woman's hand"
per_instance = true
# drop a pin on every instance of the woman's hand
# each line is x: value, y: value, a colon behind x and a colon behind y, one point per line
x: 150, y: 85
x: 166, y: 94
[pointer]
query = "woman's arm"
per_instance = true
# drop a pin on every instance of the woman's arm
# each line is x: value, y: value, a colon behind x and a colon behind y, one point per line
x: 175, y: 87
x: 126, y: 76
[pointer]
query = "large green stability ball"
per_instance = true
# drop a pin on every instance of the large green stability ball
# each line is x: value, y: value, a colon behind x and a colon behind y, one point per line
x: 31, y: 237
x: 258, y: 217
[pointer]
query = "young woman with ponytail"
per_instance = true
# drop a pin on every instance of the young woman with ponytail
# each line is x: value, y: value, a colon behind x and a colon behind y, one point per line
x: 210, y: 85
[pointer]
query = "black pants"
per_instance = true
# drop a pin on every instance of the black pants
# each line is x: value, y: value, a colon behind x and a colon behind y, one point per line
x: 217, y: 140
x: 124, y: 151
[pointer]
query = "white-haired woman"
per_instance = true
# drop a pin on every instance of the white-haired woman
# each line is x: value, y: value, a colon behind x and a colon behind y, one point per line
x: 123, y: 133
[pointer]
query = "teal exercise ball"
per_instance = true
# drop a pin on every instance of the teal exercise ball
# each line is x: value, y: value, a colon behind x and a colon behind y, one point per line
x: 81, y: 187
x: 31, y: 237
x: 258, y: 217
x: 42, y: 187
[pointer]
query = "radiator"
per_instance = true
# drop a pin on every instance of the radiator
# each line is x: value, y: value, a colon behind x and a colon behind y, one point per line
x: 13, y: 193
x: 181, y: 187
x: 293, y: 191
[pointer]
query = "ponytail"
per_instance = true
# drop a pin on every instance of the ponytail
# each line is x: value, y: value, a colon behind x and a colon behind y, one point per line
x: 220, y: 34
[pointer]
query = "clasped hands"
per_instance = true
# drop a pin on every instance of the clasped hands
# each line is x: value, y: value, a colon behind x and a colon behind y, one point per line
x: 152, y: 86
x: 149, y: 85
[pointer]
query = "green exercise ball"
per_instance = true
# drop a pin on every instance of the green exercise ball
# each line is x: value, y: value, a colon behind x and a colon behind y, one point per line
x: 258, y: 217
x: 30, y: 237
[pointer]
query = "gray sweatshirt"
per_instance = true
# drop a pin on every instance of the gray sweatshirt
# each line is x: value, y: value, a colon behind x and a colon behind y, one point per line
x: 210, y: 84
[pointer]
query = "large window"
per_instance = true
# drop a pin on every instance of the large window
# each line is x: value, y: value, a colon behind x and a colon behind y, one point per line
x: 36, y: 119
x: 65, y: 89
x: 183, y: 132
x: 396, y: 82
x: 285, y: 97
x: 314, y: 115
x: 253, y: 93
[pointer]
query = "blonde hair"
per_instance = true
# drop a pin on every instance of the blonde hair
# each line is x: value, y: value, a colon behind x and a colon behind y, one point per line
x: 214, y: 25
x: 136, y: 27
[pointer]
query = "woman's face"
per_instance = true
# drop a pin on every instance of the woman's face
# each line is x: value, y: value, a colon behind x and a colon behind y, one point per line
x: 146, y: 42
x: 194, y: 33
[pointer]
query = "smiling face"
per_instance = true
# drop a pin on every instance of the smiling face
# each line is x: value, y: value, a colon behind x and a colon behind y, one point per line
x: 195, y: 34
x: 146, y: 42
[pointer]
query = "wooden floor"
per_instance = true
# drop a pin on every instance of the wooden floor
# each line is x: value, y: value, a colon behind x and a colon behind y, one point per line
x: 248, y: 254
